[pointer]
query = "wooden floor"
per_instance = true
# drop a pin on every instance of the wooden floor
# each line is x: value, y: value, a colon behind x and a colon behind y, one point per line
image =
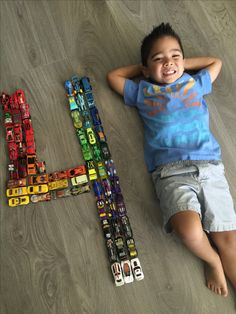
x: 53, y: 258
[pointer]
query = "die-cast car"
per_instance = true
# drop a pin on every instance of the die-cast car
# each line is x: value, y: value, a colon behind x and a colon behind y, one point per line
x: 37, y: 189
x: 91, y: 170
x: 77, y: 120
x: 81, y: 135
x: 20, y: 95
x: 102, y: 170
x: 40, y: 197
x: 69, y: 88
x: 117, y: 228
x: 81, y: 103
x: 25, y: 113
x: 10, y: 134
x: 116, y: 185
x: 17, y: 191
x: 37, y: 179
x: 91, y: 136
x: 59, y: 184
x: 22, y: 167
x: 13, y: 170
x: 16, y: 116
x: 30, y: 145
x: 137, y: 269
x: 57, y: 175
x: 131, y: 247
x: 76, y: 190
x: 120, y: 205
x: 111, y: 170
x: 86, y: 84
x: 31, y: 164
x: 28, y: 128
x: 16, y: 183
x: 100, y: 132
x: 107, y: 187
x: 82, y: 179
x: 8, y: 119
x: 117, y: 274
x: 126, y: 227
x: 21, y: 200
x: 107, y: 228
x: 90, y: 100
x: 86, y: 151
x: 72, y: 172
x: 13, y: 151
x: 97, y: 153
x: 95, y: 116
x: 111, y: 249
x: 127, y: 271
x: 41, y: 166
x: 61, y: 193
x: 76, y: 84
x: 87, y: 122
x: 120, y: 246
x: 98, y: 190
x: 72, y: 103
x: 105, y: 150
x: 18, y: 133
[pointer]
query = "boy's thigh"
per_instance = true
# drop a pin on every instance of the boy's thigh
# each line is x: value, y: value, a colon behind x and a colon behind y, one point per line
x: 177, y: 193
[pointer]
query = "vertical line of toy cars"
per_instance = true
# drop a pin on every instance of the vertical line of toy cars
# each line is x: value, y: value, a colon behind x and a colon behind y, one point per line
x: 21, y: 148
x: 118, y: 234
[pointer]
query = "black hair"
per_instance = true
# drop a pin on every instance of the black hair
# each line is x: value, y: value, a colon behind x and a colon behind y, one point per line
x: 159, y: 31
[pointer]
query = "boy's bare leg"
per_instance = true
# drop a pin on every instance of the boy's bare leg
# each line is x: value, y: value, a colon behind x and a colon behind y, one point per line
x: 187, y: 225
x: 226, y: 244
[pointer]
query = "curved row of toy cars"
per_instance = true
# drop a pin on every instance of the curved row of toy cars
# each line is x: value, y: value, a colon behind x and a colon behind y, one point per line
x: 101, y: 170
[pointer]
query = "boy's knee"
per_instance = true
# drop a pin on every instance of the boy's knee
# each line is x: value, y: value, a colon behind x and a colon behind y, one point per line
x: 225, y: 240
x: 191, y: 234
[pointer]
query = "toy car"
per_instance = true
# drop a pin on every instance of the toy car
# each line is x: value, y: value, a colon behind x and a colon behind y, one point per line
x: 81, y: 103
x: 91, y: 170
x: 61, y: 193
x: 18, y: 133
x: 31, y: 164
x: 20, y: 96
x: 137, y: 269
x: 120, y: 205
x: 17, y: 191
x: 76, y: 171
x: 40, y: 197
x: 105, y: 150
x: 76, y: 84
x: 95, y: 116
x: 117, y: 228
x: 131, y: 247
x: 21, y: 200
x: 120, y: 248
x: 16, y: 116
x: 12, y: 150
x: 102, y: 171
x: 76, y: 117
x: 10, y: 134
x: 107, y: 229
x: 69, y: 88
x: 87, y: 122
x: 91, y: 136
x: 127, y: 271
x: 97, y: 153
x: 28, y: 129
x: 111, y: 170
x: 116, y: 185
x: 111, y: 249
x: 81, y: 135
x: 59, y: 184
x: 25, y: 113
x: 72, y: 103
x: 100, y: 132
x: 98, y: 190
x: 117, y: 274
x: 57, y: 175
x: 76, y: 190
x: 7, y: 119
x: 107, y: 187
x: 37, y: 189
x: 82, y: 179
x: 86, y: 84
x: 37, y: 179
x: 22, y: 167
x: 126, y: 227
x: 16, y: 183
x: 30, y: 145
x: 41, y: 166
x: 86, y: 151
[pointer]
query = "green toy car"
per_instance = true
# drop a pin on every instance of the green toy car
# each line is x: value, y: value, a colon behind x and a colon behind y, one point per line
x: 86, y: 152
x: 81, y: 136
x: 76, y: 117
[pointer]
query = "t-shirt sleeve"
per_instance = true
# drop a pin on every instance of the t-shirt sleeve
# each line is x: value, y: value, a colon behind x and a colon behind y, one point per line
x: 130, y: 93
x: 204, y: 80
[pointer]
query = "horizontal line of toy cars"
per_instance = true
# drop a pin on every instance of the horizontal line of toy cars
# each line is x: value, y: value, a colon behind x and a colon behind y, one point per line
x: 126, y: 271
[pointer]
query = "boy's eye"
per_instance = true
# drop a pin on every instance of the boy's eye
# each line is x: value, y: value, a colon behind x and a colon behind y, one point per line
x: 176, y: 56
x: 157, y: 59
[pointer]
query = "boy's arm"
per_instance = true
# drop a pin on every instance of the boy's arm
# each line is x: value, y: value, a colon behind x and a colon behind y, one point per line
x: 213, y: 65
x: 116, y: 78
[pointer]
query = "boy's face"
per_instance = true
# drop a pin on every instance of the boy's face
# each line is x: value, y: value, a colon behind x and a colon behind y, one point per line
x: 165, y: 62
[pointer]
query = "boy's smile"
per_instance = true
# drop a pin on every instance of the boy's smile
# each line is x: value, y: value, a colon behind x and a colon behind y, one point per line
x: 165, y: 62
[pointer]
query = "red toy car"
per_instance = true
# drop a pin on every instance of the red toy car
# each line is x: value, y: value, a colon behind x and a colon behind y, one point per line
x: 13, y: 152
x: 41, y: 166
x: 10, y: 134
x: 28, y: 127
x: 57, y: 175
x: 16, y: 183
x: 30, y: 145
x: 25, y: 113
x: 20, y: 95
x: 18, y: 133
x: 76, y: 171
x: 22, y: 167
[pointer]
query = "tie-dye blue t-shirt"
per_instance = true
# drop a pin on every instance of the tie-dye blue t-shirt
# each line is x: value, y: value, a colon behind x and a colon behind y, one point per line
x: 176, y: 119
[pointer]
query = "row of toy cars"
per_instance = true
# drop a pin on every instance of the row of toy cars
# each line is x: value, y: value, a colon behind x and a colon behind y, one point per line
x: 111, y: 209
x: 28, y: 180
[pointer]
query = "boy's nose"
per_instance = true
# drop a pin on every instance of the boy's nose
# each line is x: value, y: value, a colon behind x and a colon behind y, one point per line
x: 167, y: 63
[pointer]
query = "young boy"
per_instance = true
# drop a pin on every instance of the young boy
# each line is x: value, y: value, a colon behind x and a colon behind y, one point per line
x: 180, y: 151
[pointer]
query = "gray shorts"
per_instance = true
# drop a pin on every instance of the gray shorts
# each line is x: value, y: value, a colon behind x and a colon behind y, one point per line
x: 199, y: 186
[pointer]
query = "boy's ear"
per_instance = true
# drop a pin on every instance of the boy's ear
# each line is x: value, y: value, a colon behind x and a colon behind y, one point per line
x: 145, y: 71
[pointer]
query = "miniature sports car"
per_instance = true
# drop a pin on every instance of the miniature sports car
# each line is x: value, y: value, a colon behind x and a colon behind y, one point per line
x: 82, y: 137
x: 111, y: 248
x: 12, y: 150
x: 100, y: 132
x: 105, y: 150
x: 98, y: 190
x: 76, y: 84
x: 59, y: 184
x: 120, y: 246
x: 107, y: 229
x: 20, y: 96
x: 16, y: 116
x: 37, y: 179
x: 120, y: 205
x: 21, y: 200
x: 57, y: 175
x: 8, y: 119
x: 69, y: 88
x: 91, y: 136
x: 131, y: 247
x: 90, y: 99
x: 117, y: 274
x: 117, y: 229
x: 126, y: 227
x: 95, y: 116
x: 17, y: 191
x: 116, y: 185
x: 127, y: 271
x: 76, y: 190
x: 86, y: 151
x: 72, y: 103
x: 16, y: 183
x: 97, y: 153
x: 76, y: 171
x: 91, y: 170
x: 31, y: 164
x: 81, y: 103
x: 37, y: 189
x: 86, y: 84
x: 40, y: 197
x: 102, y: 170
x: 82, y: 179
x: 41, y: 166
x: 25, y: 113
x: 76, y: 117
x: 111, y: 170
x: 137, y: 269
x: 18, y: 133
x: 10, y: 134
x: 107, y: 187
x: 22, y: 167
x: 87, y: 122
x: 61, y: 193
x: 28, y: 128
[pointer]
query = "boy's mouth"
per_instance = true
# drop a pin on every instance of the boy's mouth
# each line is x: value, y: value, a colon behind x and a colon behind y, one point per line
x: 169, y: 73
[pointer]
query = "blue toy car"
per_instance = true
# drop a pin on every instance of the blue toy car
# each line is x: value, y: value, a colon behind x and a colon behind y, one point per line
x: 69, y: 88
x: 86, y: 84
x: 95, y: 116
x: 98, y: 189
x: 105, y: 150
x: 76, y: 84
x: 90, y: 100
x: 72, y: 103
x: 80, y: 102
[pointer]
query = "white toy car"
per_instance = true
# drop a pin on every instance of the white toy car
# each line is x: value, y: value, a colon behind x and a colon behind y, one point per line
x: 82, y: 179
x: 127, y: 271
x: 117, y: 274
x: 137, y: 269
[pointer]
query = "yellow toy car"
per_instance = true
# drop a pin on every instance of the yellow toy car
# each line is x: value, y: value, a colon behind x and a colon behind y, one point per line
x: 59, y: 184
x: 91, y: 136
x: 21, y: 200
x: 17, y: 191
x: 37, y: 189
